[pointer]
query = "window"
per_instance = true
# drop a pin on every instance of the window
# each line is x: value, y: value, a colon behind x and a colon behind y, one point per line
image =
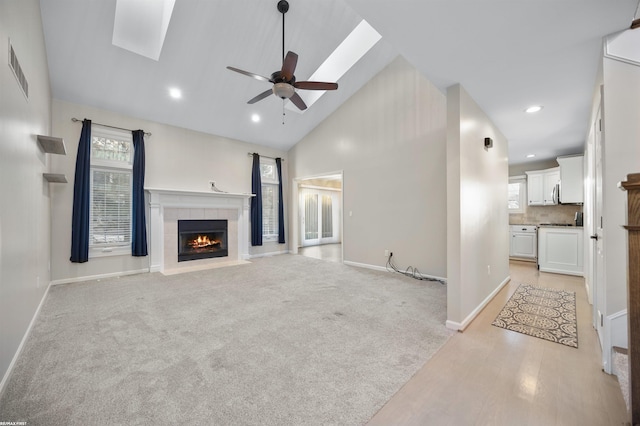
x: 270, y: 182
x: 111, y: 187
x: 517, y: 194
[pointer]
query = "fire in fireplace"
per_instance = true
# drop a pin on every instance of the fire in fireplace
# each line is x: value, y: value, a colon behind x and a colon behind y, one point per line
x: 202, y: 239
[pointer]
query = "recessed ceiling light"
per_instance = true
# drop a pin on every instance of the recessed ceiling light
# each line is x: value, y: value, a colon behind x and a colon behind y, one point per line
x: 255, y: 118
x: 530, y: 155
x: 534, y: 108
x: 175, y: 93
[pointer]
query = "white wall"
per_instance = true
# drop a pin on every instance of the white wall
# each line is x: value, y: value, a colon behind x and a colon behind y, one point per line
x: 24, y: 210
x: 477, y: 227
x: 389, y: 140
x: 621, y: 157
x: 176, y: 158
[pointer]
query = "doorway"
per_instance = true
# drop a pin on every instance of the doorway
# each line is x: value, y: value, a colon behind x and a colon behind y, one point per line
x: 319, y: 216
x: 597, y: 233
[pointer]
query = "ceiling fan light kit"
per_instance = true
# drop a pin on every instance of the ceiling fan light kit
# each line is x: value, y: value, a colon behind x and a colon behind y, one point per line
x: 284, y: 81
x: 283, y: 90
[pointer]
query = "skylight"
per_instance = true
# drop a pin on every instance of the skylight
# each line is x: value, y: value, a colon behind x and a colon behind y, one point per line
x: 141, y: 26
x: 352, y: 48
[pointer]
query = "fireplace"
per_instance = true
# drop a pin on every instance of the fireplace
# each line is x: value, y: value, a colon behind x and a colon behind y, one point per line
x: 202, y: 239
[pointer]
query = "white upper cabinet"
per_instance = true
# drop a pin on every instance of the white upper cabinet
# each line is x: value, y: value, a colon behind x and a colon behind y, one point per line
x: 551, y: 179
x: 571, y: 179
x: 535, y: 188
x: 541, y: 186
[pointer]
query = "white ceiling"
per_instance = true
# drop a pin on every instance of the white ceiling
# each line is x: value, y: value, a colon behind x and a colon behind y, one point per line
x: 508, y: 54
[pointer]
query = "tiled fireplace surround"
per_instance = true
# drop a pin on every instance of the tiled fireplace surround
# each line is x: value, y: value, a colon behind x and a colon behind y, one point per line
x: 166, y: 207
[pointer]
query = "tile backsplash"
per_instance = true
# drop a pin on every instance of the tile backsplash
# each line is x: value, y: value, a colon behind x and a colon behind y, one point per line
x: 535, y: 215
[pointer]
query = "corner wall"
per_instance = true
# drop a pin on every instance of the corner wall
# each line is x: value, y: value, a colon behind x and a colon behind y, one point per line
x: 24, y: 210
x: 478, y: 222
x: 621, y: 157
x: 176, y: 158
x: 389, y: 141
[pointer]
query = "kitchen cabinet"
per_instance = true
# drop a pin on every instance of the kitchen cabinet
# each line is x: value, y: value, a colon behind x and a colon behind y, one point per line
x: 524, y: 242
x: 541, y: 185
x: 560, y: 249
x: 535, y: 188
x: 571, y: 179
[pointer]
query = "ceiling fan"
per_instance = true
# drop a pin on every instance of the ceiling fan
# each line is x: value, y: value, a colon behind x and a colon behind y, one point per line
x: 284, y: 81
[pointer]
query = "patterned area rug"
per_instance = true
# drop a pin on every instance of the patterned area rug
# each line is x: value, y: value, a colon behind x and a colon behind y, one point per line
x: 545, y: 313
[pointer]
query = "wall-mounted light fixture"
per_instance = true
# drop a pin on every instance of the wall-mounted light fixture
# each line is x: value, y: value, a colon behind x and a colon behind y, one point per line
x: 488, y: 143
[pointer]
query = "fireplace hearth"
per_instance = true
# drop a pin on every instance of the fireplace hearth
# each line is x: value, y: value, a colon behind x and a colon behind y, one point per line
x: 202, y: 239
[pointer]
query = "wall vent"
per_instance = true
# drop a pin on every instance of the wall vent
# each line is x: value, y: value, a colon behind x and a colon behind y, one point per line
x: 14, y: 64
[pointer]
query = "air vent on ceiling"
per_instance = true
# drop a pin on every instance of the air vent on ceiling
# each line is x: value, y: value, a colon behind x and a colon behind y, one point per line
x: 14, y: 64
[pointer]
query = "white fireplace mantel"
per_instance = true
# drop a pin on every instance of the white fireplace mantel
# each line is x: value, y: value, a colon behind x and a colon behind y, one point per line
x: 193, y: 201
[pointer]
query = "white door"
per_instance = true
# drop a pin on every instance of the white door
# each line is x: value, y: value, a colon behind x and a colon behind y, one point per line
x: 597, y: 233
x: 319, y: 217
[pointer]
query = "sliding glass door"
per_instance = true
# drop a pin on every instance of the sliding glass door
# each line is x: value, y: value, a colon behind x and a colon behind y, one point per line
x: 320, y: 216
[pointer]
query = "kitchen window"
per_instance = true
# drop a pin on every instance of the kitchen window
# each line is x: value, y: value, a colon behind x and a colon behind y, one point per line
x: 517, y: 194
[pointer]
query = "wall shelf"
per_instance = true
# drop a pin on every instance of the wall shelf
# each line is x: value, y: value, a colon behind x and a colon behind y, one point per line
x: 52, y: 145
x: 55, y: 177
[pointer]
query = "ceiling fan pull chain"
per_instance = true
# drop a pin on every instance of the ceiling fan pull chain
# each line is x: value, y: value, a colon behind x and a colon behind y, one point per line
x: 283, y: 112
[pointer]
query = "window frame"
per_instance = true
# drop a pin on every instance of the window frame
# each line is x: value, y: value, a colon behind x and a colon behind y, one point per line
x: 522, y: 194
x: 272, y: 182
x: 106, y: 165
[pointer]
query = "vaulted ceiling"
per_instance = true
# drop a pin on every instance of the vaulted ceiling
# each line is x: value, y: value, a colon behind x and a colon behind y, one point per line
x: 507, y: 54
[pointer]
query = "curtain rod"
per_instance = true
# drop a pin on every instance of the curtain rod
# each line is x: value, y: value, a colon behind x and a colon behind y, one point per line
x: 265, y: 156
x: 75, y: 120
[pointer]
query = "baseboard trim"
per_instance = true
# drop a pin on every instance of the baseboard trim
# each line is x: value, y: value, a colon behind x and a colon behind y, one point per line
x: 460, y: 326
x: 365, y: 265
x: 98, y: 277
x: 12, y: 364
x: 615, y: 334
x: 384, y: 269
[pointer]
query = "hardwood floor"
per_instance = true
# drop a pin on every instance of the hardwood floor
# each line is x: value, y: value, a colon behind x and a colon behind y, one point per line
x: 491, y: 376
x: 328, y: 252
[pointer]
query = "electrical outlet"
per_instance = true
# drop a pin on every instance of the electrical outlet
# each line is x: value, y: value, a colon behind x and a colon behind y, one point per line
x: 386, y: 253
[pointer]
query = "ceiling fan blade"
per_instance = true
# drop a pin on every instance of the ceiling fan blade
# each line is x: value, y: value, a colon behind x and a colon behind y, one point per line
x: 261, y: 96
x: 250, y: 74
x: 289, y: 65
x: 315, y: 85
x: 297, y: 101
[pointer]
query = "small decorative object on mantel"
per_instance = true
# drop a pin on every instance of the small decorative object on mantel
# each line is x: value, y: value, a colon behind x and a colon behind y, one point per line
x: 212, y: 183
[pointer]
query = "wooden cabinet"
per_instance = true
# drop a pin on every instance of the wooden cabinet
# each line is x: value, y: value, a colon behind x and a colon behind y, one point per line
x: 571, y: 179
x: 560, y: 249
x: 541, y: 186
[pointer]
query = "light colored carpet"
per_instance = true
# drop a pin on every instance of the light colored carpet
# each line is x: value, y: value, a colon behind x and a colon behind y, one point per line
x: 285, y: 340
x: 545, y: 313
